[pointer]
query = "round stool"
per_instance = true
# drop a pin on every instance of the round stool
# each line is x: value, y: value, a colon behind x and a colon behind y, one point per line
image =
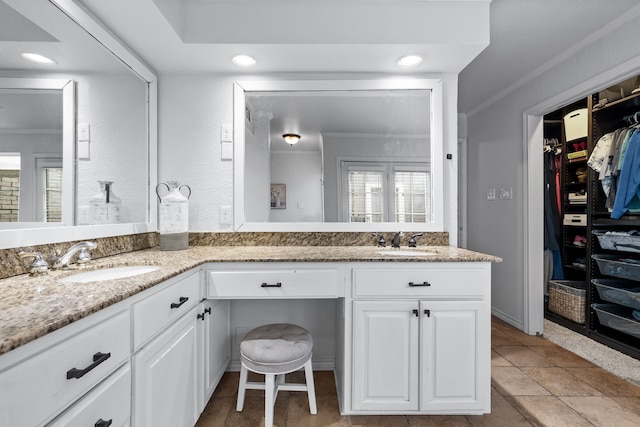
x: 275, y: 350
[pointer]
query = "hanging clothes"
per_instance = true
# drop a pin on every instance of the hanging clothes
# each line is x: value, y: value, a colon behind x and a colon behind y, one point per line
x: 628, y: 192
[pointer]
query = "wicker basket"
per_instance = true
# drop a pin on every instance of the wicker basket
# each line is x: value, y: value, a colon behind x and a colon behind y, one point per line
x: 567, y: 298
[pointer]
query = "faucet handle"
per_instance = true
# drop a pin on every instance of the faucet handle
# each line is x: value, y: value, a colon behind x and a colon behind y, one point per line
x: 412, y: 241
x: 381, y: 242
x: 83, y: 256
x: 38, y: 266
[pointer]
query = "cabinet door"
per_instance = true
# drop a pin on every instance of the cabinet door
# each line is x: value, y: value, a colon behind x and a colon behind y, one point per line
x: 455, y: 343
x: 166, y: 383
x: 385, y: 362
x: 216, y: 344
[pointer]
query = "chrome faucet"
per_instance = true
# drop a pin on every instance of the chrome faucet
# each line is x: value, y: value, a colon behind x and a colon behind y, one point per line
x: 412, y: 241
x: 82, y: 248
x: 396, y: 239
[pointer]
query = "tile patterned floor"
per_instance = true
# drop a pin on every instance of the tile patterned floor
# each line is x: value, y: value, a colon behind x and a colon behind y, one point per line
x: 534, y: 383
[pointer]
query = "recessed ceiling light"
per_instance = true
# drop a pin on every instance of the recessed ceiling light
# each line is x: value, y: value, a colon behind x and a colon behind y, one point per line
x: 409, y: 61
x: 35, y: 57
x: 243, y: 60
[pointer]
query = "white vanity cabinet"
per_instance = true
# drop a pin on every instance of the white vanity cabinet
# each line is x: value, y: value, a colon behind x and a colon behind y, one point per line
x: 421, y: 339
x: 166, y: 381
x: 57, y: 370
x: 215, y: 345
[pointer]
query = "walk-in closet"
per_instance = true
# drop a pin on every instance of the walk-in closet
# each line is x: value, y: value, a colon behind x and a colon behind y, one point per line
x: 592, y: 216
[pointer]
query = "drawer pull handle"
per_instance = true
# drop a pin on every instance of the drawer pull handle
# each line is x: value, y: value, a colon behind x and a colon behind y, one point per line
x: 178, y: 304
x: 270, y: 285
x: 103, y: 423
x: 425, y: 283
x: 415, y: 311
x: 98, y: 358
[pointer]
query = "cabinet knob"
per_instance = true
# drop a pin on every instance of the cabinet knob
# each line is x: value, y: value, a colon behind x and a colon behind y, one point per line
x: 428, y: 313
x: 200, y: 316
x: 416, y: 312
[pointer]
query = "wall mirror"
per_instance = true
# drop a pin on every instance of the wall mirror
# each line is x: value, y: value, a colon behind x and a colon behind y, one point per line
x: 68, y: 126
x: 368, y: 157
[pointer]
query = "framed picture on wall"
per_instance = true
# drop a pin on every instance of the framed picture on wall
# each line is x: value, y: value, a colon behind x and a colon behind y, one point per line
x: 278, y: 196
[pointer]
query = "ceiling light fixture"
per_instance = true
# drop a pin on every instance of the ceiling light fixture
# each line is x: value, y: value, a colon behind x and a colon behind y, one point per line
x: 291, y: 138
x: 409, y: 61
x: 35, y: 57
x: 243, y: 60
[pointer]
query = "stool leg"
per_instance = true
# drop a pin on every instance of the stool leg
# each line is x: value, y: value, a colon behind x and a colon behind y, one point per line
x: 311, y: 390
x: 269, y: 399
x: 242, y: 386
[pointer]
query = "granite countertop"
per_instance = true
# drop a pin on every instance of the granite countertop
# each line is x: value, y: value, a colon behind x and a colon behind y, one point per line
x: 31, y: 307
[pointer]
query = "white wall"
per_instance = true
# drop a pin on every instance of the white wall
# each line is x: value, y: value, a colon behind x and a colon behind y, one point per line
x: 301, y: 172
x: 497, y: 156
x: 193, y: 107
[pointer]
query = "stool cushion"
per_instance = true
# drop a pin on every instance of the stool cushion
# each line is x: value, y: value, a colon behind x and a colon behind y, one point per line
x: 276, y: 348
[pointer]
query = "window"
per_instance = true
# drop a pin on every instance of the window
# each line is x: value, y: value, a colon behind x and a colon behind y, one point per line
x: 48, y: 192
x: 372, y: 194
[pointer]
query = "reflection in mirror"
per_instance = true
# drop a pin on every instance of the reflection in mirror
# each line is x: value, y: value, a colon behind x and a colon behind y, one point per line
x: 30, y: 155
x: 362, y: 156
x: 363, y: 160
x: 110, y: 138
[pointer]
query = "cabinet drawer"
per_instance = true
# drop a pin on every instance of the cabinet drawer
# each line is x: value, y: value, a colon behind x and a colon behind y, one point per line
x: 43, y: 386
x: 303, y: 283
x: 154, y: 313
x: 447, y: 281
x: 110, y: 402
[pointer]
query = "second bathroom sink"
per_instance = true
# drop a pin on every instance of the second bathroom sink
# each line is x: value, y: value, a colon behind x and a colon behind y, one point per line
x: 109, y: 273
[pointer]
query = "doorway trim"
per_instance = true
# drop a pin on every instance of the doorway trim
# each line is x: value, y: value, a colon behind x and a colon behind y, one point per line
x: 533, y: 209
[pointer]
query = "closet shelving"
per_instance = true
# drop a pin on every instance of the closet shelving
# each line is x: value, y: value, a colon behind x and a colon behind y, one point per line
x: 603, y: 118
x: 573, y: 237
x: 607, y: 119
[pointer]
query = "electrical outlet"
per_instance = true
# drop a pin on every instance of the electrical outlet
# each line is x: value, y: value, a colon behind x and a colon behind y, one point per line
x: 226, y: 133
x: 225, y: 215
x: 506, y: 193
x: 491, y: 194
x: 84, y: 133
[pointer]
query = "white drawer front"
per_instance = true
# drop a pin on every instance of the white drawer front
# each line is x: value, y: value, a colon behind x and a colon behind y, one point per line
x: 418, y: 282
x: 154, y: 313
x: 38, y: 389
x: 303, y: 283
x: 107, y: 404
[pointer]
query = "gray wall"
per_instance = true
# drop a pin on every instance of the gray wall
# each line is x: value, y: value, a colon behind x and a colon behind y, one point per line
x: 497, y: 155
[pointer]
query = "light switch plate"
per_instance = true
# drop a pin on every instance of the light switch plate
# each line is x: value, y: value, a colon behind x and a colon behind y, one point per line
x: 226, y: 150
x: 225, y: 215
x: 83, y: 150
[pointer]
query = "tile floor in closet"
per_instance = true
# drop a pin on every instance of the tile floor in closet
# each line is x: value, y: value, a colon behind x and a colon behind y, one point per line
x: 534, y: 383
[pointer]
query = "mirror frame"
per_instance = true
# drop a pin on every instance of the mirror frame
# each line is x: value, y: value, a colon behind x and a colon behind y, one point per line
x: 35, y: 236
x: 437, y: 164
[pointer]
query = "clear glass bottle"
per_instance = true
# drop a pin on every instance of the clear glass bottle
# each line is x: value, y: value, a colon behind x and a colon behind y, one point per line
x: 173, y: 215
x: 104, y: 207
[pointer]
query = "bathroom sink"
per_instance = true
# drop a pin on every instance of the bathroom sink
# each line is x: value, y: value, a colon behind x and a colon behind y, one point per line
x: 406, y: 253
x: 110, y: 273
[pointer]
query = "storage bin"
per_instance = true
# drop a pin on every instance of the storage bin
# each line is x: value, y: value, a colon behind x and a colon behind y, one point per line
x: 575, y: 125
x: 619, y: 291
x: 567, y: 299
x: 612, y: 265
x: 620, y: 241
x: 575, y: 219
x: 618, y: 318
